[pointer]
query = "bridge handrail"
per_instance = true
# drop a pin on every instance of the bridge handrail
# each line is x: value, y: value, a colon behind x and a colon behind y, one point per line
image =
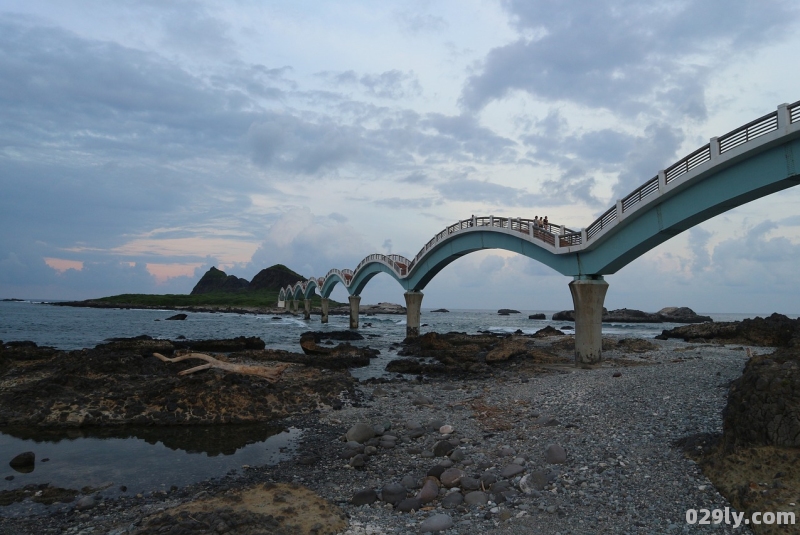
x: 570, y: 238
x: 753, y: 129
x: 640, y: 193
x: 794, y: 112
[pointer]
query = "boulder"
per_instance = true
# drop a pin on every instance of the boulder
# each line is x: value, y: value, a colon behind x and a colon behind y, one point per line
x: 763, y: 406
x: 177, y: 317
x: 360, y: 433
x: 682, y: 315
x: 505, y: 311
x: 440, y: 310
x: 23, y: 461
x: 537, y: 317
x: 776, y: 330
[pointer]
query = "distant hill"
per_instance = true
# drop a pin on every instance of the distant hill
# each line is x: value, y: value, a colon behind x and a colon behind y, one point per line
x: 216, y: 280
x: 272, y: 278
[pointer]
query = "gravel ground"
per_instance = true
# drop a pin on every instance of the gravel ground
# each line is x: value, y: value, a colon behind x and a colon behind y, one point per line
x: 616, y: 423
x: 622, y: 473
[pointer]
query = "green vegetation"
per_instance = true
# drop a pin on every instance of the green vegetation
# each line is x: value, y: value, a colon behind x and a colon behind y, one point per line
x: 260, y: 298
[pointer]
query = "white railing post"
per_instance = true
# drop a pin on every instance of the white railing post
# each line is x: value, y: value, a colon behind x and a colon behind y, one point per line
x: 619, y: 209
x: 510, y: 226
x: 474, y: 222
x: 491, y: 220
x: 584, y: 236
x: 662, y: 181
x: 562, y: 231
x: 713, y: 148
x: 784, y: 117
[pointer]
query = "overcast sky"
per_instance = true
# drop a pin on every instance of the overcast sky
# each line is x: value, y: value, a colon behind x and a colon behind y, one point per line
x: 142, y: 142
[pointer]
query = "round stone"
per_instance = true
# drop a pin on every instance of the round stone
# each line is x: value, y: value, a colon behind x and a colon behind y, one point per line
x: 393, y: 493
x: 446, y: 429
x: 476, y: 497
x: 451, y: 477
x: 436, y: 523
x: 360, y: 433
x: 511, y: 470
x: 409, y: 504
x: 454, y: 499
x: 364, y: 497
x: 429, y: 490
x: 470, y: 483
x: 555, y: 454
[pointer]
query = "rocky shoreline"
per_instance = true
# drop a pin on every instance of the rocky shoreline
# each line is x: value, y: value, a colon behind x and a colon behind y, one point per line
x: 523, y: 443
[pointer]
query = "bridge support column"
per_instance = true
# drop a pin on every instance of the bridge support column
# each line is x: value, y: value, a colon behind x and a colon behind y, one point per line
x: 355, y: 300
x: 588, y: 295
x: 293, y: 306
x: 307, y: 309
x: 324, y: 310
x: 413, y: 306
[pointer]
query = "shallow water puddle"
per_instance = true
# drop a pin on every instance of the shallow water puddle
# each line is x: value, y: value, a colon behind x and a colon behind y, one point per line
x: 141, y: 459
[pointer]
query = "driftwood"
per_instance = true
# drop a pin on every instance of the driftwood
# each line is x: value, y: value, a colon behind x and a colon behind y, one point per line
x: 270, y: 374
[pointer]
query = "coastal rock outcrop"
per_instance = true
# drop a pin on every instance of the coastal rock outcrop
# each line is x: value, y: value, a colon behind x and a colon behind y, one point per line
x: 122, y: 383
x: 776, y: 330
x: 764, y: 403
x: 461, y: 352
x: 628, y: 315
x: 366, y: 310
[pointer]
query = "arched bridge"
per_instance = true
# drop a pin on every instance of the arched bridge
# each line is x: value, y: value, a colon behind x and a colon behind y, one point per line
x: 745, y: 164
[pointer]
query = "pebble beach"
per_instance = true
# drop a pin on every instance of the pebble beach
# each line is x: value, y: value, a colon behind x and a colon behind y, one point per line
x: 566, y: 451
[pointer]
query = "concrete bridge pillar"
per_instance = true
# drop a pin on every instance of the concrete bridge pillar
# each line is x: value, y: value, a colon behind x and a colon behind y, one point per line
x: 293, y: 306
x: 588, y: 295
x: 413, y: 305
x: 355, y: 301
x: 307, y: 309
x: 324, y: 310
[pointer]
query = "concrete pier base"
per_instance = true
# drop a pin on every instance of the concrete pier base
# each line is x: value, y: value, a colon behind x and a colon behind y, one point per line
x: 324, y: 310
x: 413, y: 305
x: 307, y: 309
x: 293, y: 308
x: 355, y: 301
x: 588, y: 295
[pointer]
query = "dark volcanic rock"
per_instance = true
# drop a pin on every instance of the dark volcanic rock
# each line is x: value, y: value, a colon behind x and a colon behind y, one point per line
x: 240, y: 343
x: 774, y: 331
x: 537, y: 317
x: 627, y: 315
x: 565, y: 315
x: 440, y: 310
x: 460, y: 352
x: 23, y: 461
x: 682, y: 315
x: 764, y: 403
x: 177, y: 317
x: 216, y: 280
x: 507, y: 311
x: 120, y: 383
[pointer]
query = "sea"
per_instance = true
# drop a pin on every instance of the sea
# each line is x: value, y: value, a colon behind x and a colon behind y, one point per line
x: 145, y: 460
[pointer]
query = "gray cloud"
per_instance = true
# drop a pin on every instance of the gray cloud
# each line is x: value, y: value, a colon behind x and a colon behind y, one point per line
x: 392, y: 84
x: 415, y: 23
x: 621, y: 54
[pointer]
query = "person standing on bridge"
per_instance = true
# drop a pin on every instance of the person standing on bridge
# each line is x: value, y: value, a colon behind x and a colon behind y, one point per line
x: 545, y: 223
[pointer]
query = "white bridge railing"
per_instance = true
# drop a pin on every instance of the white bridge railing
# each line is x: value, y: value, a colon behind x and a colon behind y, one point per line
x: 562, y: 237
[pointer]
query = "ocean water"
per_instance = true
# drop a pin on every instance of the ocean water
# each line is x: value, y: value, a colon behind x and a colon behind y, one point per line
x: 165, y: 458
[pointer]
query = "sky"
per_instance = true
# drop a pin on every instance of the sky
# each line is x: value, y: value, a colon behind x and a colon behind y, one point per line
x: 142, y: 142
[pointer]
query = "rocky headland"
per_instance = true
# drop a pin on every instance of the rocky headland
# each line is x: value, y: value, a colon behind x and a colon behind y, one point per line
x: 627, y: 315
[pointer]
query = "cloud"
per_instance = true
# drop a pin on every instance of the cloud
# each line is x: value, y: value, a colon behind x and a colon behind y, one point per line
x: 392, y: 85
x: 311, y: 245
x: 416, y: 23
x: 622, y: 55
